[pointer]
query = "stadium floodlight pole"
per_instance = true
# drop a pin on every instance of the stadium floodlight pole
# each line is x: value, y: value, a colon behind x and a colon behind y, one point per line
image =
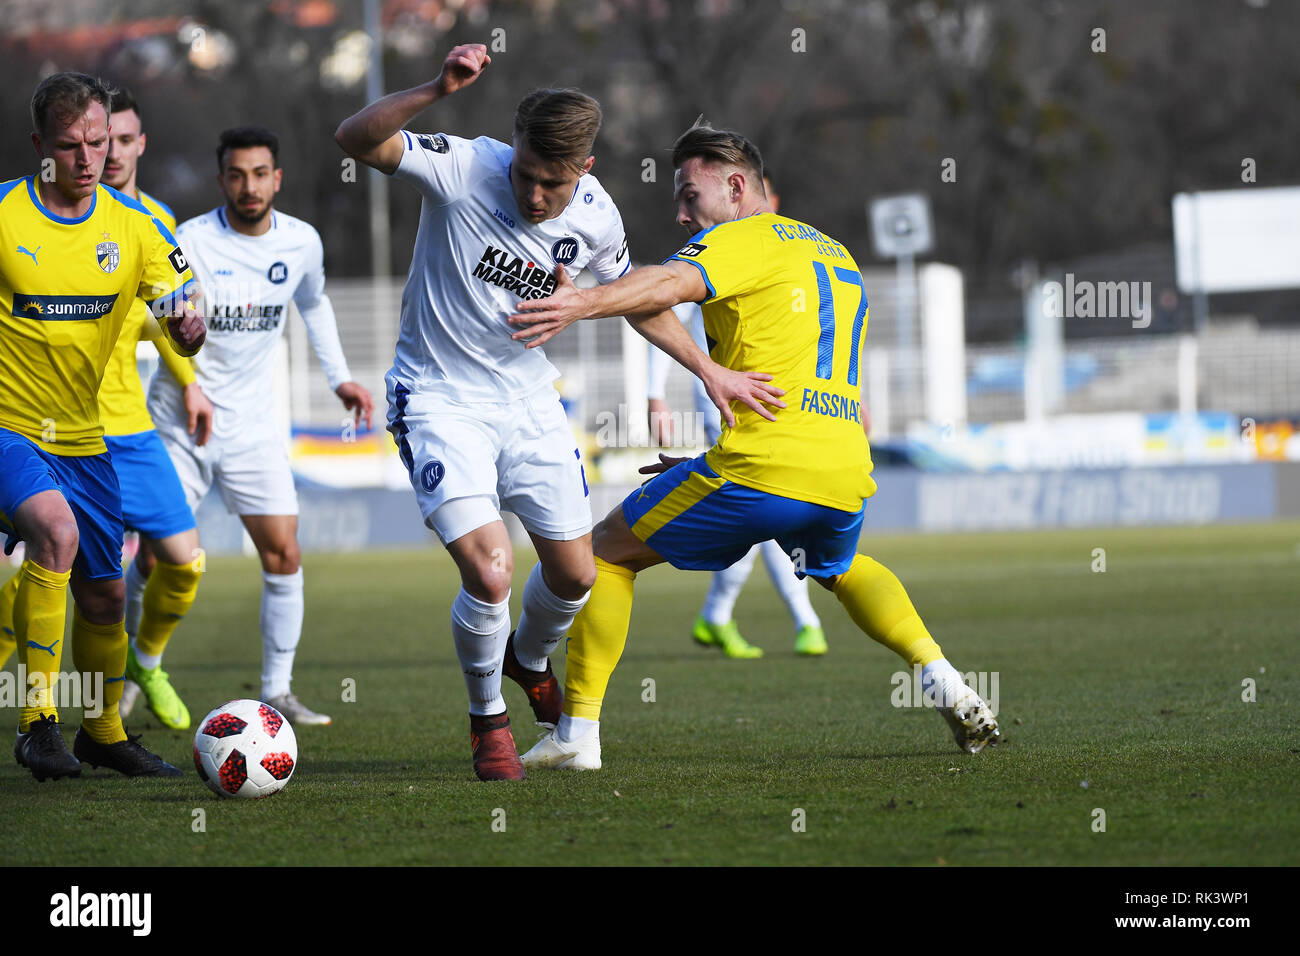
x: 901, y: 229
x: 380, y: 248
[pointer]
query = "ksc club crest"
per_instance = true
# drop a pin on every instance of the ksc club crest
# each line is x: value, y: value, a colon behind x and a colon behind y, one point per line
x: 565, y: 250
x: 431, y: 474
x: 108, y: 255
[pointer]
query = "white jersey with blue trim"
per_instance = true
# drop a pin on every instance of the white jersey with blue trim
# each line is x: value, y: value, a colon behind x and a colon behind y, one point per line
x: 476, y: 257
x: 247, y: 283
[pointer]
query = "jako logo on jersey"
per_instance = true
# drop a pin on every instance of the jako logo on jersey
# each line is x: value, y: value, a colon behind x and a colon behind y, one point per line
x: 691, y: 250
x: 55, y: 308
x: 435, y: 144
x: 504, y: 218
x: 523, y: 277
x: 278, y: 272
x: 431, y: 474
x: 108, y: 255
x: 178, y: 260
x: 565, y: 250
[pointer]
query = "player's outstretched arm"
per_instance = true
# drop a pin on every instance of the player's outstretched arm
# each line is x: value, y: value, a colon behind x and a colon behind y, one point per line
x: 373, y: 135
x: 645, y: 291
x: 724, y: 385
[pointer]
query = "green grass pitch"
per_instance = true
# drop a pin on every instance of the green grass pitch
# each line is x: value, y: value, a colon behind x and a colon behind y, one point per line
x: 1120, y: 691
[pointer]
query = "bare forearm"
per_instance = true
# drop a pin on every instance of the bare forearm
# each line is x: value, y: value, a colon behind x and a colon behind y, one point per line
x: 373, y: 126
x: 643, y: 292
x: 665, y: 331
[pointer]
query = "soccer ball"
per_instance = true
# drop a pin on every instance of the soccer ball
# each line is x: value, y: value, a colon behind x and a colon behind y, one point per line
x: 245, y: 749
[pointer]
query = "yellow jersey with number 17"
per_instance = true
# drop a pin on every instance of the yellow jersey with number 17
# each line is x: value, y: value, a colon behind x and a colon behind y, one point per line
x: 122, y: 408
x: 66, y: 287
x: 787, y: 299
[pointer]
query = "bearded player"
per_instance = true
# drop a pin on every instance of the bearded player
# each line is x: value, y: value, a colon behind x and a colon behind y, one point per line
x: 251, y: 261
x: 802, y: 479
x: 475, y: 415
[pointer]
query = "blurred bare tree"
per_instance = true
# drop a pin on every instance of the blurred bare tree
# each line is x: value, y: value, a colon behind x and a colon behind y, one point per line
x: 1065, y: 140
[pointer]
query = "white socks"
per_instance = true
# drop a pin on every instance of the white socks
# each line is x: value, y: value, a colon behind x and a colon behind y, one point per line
x: 545, y: 619
x: 942, y: 683
x: 147, y: 661
x: 793, y: 591
x: 480, y: 631
x: 282, y: 609
x: 725, y: 587
x: 135, y: 582
x: 570, y: 729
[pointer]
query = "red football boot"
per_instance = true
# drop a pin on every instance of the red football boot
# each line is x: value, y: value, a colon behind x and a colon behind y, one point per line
x: 495, y: 755
x: 543, y: 690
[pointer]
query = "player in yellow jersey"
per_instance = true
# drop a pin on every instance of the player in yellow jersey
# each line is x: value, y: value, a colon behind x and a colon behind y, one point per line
x: 74, y: 256
x: 153, y: 501
x: 781, y: 297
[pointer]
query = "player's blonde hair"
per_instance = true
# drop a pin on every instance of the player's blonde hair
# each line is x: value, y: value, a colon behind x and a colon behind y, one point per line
x: 559, y: 125
x: 723, y: 146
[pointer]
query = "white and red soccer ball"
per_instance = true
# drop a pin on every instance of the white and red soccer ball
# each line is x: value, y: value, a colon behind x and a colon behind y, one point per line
x: 245, y: 749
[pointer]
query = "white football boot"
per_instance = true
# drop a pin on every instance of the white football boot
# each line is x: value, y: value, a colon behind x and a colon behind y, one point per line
x: 970, y: 718
x: 552, y: 753
x: 296, y: 712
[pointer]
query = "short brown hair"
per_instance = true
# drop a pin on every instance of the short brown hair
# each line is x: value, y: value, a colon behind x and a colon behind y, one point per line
x: 724, y: 146
x: 66, y: 96
x: 559, y: 125
x: 123, y: 101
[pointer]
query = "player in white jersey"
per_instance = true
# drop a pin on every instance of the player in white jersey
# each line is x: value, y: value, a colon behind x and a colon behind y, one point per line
x: 475, y: 415
x: 714, y: 625
x: 251, y: 261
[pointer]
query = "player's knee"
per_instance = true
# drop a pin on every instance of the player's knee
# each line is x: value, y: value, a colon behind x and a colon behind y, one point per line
x: 282, y: 559
x: 576, y: 582
x: 489, y: 582
x: 489, y: 574
x: 57, y: 547
x: 104, y: 602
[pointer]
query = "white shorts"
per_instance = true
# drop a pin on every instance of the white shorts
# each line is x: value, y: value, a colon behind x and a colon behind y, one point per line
x: 518, y: 456
x: 254, y: 477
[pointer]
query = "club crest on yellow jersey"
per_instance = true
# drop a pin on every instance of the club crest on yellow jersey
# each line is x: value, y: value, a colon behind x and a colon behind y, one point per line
x: 108, y: 255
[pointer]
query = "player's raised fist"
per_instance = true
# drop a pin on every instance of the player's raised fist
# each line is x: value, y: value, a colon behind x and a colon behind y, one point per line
x: 462, y: 67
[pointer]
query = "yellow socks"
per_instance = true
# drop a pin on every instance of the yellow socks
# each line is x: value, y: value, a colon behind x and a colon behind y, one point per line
x: 100, y: 649
x: 596, y: 640
x: 39, y: 614
x: 8, y: 595
x: 167, y: 598
x: 876, y: 601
